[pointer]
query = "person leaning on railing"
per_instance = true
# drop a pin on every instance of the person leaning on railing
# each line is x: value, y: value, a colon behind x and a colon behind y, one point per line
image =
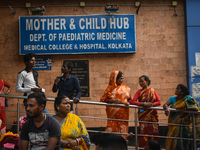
x: 117, y: 93
x: 182, y: 101
x: 147, y: 97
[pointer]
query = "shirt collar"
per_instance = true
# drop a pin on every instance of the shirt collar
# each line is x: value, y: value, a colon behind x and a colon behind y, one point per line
x: 27, y: 70
x: 67, y: 77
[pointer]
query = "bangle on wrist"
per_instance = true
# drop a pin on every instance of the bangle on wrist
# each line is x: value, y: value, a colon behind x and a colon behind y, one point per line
x: 77, y: 141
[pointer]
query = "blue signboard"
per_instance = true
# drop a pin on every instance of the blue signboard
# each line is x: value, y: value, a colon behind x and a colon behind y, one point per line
x: 192, y: 9
x: 77, y: 34
x: 193, y: 49
x: 43, y: 63
x: 193, y: 43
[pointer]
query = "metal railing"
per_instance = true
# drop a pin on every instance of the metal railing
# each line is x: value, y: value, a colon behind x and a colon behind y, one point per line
x: 193, y: 139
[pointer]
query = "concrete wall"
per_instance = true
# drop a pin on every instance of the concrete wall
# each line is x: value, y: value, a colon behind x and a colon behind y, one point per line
x: 160, y: 46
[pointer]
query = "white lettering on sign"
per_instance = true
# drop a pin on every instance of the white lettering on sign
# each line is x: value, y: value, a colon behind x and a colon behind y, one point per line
x: 92, y: 46
x: 46, y: 24
x: 111, y: 35
x: 196, y: 90
x: 119, y: 46
x: 76, y: 36
x: 84, y: 23
x: 92, y: 23
x: 37, y: 37
x: 119, y: 23
x: 195, y: 70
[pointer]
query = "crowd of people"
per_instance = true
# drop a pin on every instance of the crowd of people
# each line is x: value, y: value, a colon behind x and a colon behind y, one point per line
x: 66, y: 131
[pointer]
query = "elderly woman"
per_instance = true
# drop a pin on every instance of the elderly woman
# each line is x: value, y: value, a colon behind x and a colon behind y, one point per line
x: 117, y: 93
x: 74, y: 135
x: 182, y: 101
x: 147, y: 97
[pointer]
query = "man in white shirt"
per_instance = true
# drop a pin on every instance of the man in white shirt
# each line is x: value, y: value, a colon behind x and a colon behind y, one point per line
x: 27, y: 79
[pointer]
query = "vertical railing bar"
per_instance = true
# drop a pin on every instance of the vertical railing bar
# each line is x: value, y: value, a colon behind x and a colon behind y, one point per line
x: 76, y: 110
x: 136, y: 140
x: 194, y: 131
x: 18, y: 110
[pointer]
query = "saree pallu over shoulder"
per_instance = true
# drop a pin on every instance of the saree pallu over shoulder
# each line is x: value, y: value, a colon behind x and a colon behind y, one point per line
x: 183, y: 119
x: 147, y: 95
x: 193, y: 105
x: 114, y: 91
x: 111, y: 86
x: 72, y: 127
x: 122, y: 92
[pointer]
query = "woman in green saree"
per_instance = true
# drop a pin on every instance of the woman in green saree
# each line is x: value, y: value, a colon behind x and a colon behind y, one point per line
x: 182, y: 101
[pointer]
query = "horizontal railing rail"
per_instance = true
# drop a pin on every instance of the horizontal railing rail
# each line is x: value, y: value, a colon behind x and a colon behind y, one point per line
x: 103, y: 104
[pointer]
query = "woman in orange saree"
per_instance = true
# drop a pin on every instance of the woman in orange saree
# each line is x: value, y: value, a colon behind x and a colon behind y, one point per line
x: 117, y: 93
x: 147, y: 97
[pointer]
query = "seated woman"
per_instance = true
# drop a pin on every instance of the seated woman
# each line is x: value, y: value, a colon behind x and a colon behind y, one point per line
x: 74, y: 135
x: 182, y: 101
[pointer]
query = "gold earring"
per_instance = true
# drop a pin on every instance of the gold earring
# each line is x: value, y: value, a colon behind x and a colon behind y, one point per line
x: 58, y: 108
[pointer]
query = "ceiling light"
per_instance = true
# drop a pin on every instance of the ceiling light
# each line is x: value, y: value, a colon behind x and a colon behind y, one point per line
x: 111, y: 8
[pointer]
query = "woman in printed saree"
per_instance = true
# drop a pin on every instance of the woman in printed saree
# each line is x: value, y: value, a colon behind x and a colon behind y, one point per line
x: 117, y: 93
x: 147, y: 97
x: 182, y: 101
x: 74, y: 135
x: 3, y: 84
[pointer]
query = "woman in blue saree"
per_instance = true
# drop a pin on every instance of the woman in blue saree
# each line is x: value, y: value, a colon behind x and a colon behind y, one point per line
x: 182, y: 101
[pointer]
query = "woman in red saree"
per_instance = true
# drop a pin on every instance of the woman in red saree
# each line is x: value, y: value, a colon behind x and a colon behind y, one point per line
x: 2, y: 105
x: 117, y: 93
x: 147, y: 97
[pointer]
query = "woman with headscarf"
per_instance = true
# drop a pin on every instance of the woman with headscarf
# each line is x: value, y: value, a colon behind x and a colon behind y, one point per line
x: 182, y: 101
x: 147, y: 97
x: 117, y: 93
